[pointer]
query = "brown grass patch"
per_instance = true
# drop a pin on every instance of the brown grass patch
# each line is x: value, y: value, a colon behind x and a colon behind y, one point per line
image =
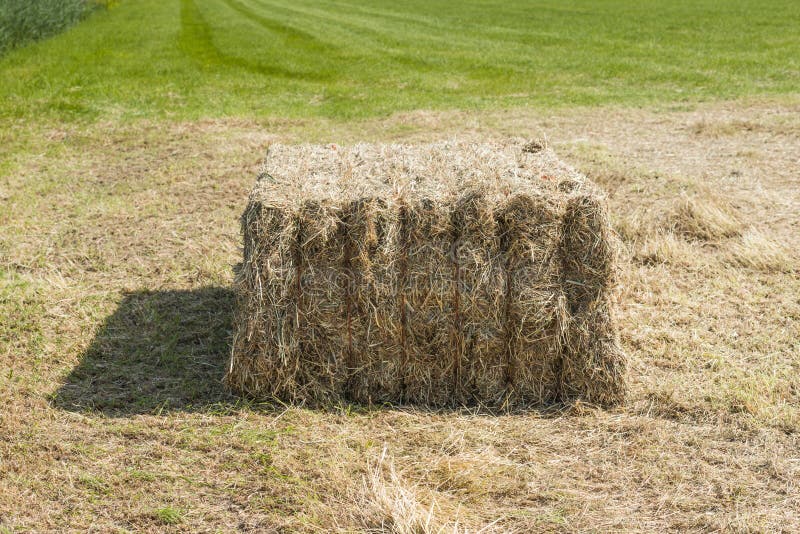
x: 705, y: 217
x: 392, y: 504
x: 756, y: 250
x: 116, y: 247
x: 722, y: 128
x: 666, y: 248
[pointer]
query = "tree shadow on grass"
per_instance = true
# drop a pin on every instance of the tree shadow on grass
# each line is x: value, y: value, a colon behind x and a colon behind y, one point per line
x: 160, y: 351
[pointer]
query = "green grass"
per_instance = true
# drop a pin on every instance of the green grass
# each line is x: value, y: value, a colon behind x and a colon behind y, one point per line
x: 184, y: 59
x: 169, y: 515
x: 23, y: 21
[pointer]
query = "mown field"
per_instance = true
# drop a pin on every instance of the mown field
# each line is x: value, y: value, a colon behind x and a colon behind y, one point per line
x: 128, y: 144
x: 263, y: 58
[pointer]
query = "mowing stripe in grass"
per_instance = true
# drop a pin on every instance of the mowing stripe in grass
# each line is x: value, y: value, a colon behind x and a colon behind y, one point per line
x: 363, y: 40
x: 291, y: 35
x: 197, y: 40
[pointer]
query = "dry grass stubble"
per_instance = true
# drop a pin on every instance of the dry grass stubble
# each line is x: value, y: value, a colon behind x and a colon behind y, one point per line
x: 113, y: 418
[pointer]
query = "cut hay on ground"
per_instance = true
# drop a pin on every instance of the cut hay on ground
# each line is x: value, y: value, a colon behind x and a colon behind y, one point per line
x: 441, y: 274
x: 704, y: 217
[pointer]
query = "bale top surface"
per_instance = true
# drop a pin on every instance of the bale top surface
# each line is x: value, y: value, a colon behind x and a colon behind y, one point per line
x: 298, y: 173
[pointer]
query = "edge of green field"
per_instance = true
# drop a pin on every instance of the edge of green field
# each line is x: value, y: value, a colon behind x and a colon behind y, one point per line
x: 186, y: 59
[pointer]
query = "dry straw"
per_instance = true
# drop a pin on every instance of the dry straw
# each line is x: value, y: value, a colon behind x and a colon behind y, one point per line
x: 442, y: 274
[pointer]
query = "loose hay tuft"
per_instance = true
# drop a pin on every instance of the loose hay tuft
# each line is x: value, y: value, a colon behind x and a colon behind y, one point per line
x: 706, y: 218
x: 441, y: 274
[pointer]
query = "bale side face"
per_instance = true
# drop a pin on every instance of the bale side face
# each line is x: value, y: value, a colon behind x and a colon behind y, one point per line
x: 532, y: 230
x: 439, y: 275
x: 375, y: 321
x: 479, y: 346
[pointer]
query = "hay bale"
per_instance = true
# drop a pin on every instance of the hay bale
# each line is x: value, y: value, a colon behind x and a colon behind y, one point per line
x: 441, y: 274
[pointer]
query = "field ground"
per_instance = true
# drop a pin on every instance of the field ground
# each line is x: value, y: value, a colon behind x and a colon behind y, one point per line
x: 116, y: 246
x: 128, y: 144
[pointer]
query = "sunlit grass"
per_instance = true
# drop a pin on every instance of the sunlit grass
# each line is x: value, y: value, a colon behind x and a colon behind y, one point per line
x: 343, y: 59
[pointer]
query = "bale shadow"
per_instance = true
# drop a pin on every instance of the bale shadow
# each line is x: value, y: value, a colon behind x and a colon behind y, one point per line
x: 159, y: 351
x: 166, y: 351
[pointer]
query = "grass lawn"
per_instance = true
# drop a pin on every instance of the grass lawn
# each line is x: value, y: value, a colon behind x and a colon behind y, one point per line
x: 264, y: 58
x: 128, y: 144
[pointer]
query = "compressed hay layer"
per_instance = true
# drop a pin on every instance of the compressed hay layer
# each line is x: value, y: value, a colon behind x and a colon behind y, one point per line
x: 441, y: 274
